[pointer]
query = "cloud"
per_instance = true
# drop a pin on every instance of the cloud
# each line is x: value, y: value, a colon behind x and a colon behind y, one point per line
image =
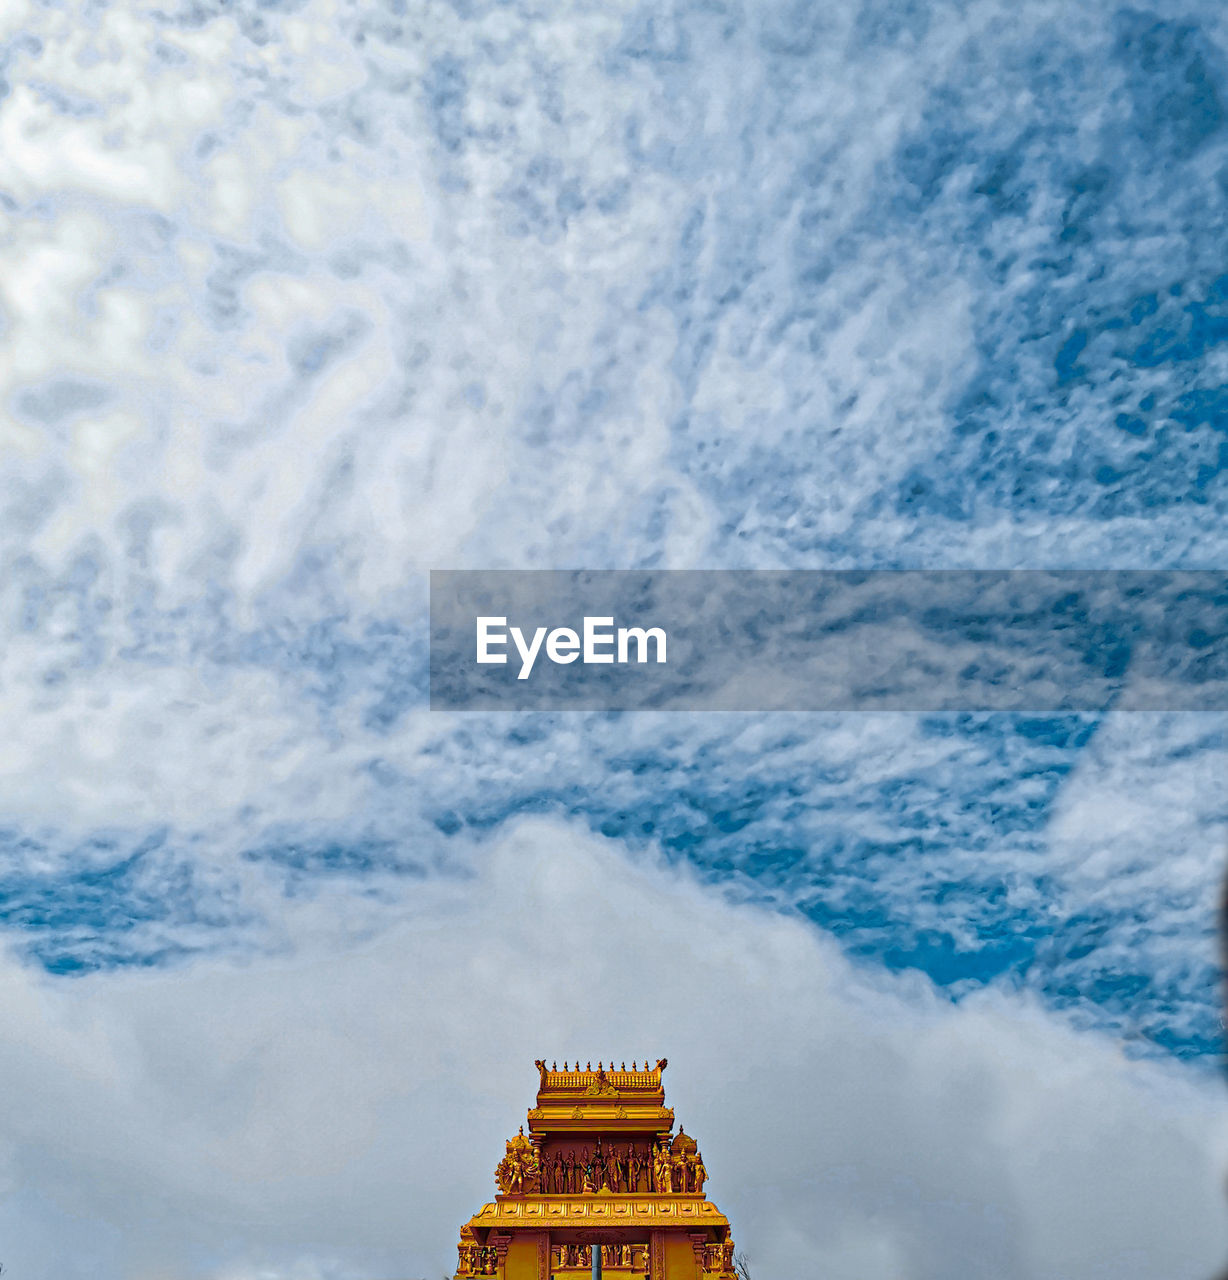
x: 298, y: 304
x: 602, y: 286
x: 342, y: 1107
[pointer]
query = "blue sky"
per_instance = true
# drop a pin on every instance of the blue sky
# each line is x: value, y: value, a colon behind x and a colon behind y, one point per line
x: 301, y: 300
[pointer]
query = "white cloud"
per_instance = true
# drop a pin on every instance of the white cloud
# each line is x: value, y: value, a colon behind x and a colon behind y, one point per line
x: 592, y: 287
x: 342, y: 1107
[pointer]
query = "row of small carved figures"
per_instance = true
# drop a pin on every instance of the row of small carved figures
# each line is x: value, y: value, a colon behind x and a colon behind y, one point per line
x: 715, y: 1258
x: 581, y: 1255
x: 627, y: 1171
x: 483, y: 1260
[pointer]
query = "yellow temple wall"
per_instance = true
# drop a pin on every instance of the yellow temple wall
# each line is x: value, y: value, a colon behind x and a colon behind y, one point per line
x: 680, y: 1259
x: 526, y: 1258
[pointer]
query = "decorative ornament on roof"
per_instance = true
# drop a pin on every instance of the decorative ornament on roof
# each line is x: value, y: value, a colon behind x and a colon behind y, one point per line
x: 602, y: 1087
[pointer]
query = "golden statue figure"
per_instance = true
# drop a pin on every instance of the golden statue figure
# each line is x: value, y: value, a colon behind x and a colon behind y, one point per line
x: 519, y: 1170
x: 663, y: 1170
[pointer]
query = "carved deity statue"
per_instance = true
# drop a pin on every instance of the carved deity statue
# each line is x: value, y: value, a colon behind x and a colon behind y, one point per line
x: 519, y: 1170
x: 662, y: 1169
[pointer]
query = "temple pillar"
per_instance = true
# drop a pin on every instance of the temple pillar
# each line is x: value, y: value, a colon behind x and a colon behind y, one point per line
x: 501, y: 1243
x: 656, y: 1256
x: 699, y: 1247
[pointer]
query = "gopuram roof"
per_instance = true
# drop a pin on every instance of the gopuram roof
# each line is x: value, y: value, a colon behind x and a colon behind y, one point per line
x: 600, y: 1169
x: 624, y: 1101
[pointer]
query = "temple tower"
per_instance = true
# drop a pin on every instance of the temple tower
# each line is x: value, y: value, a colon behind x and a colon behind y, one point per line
x: 599, y: 1169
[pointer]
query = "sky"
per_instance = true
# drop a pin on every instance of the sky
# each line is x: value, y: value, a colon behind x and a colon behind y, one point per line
x: 299, y: 301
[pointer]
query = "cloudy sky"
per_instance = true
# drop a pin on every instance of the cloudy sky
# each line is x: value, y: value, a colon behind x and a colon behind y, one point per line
x: 300, y: 299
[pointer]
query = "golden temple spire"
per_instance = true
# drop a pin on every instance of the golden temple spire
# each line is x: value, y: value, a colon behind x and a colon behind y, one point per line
x: 600, y: 1181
